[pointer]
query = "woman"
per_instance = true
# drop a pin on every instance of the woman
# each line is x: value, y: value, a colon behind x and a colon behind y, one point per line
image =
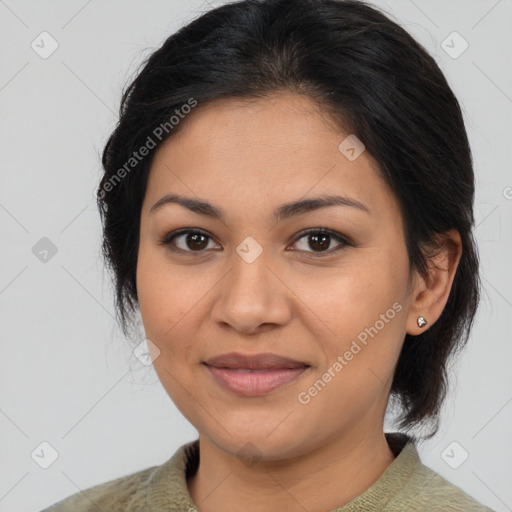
x: 288, y: 202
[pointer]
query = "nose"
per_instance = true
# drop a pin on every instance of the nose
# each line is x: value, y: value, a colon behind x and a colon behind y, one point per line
x: 252, y: 297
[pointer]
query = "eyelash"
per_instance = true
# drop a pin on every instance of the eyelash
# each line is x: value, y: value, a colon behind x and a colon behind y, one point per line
x: 169, y: 238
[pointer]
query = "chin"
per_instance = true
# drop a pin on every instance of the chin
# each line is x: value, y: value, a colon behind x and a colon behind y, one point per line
x: 259, y: 442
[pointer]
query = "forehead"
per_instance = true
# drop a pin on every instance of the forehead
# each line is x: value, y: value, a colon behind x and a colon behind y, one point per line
x: 263, y: 153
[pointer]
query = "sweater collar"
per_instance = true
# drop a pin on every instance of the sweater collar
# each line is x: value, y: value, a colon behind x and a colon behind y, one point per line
x: 168, y: 484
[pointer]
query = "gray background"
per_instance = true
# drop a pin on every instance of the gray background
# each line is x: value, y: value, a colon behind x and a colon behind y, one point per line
x: 67, y: 376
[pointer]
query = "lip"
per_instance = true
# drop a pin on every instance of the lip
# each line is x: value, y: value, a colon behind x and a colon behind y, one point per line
x: 264, y: 361
x: 254, y: 375
x: 246, y: 382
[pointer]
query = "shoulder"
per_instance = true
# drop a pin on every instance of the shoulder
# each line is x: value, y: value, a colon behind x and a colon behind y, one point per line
x: 149, y: 489
x: 428, y: 490
x: 121, y: 494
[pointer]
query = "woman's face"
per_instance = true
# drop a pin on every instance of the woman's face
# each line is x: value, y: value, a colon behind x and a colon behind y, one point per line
x: 252, y: 284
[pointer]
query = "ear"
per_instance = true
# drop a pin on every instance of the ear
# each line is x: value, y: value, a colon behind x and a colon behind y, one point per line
x: 430, y: 293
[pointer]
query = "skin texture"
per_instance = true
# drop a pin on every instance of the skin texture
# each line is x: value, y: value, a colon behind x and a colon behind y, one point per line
x: 292, y: 300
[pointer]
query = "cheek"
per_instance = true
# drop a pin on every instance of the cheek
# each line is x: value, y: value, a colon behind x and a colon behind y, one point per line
x: 158, y: 306
x: 164, y: 297
x: 346, y: 300
x: 165, y: 293
x: 173, y: 307
x: 360, y: 349
x: 364, y: 310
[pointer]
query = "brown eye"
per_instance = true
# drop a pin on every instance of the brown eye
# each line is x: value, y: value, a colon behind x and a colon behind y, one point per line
x: 187, y: 241
x: 316, y: 241
x: 320, y: 241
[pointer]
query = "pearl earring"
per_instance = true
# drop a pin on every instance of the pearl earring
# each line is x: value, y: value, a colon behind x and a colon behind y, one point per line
x: 422, y: 321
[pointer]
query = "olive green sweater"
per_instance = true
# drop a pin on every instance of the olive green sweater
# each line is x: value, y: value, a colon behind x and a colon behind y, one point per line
x: 406, y: 485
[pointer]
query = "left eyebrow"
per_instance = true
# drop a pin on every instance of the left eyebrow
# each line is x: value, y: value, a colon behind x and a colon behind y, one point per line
x: 285, y: 211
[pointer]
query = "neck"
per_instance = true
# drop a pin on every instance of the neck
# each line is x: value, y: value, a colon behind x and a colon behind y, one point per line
x: 328, y: 477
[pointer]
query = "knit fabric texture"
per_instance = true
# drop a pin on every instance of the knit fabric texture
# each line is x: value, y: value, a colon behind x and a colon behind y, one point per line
x: 406, y: 485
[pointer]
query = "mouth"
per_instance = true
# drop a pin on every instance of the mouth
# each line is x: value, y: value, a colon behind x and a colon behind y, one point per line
x: 254, y: 375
